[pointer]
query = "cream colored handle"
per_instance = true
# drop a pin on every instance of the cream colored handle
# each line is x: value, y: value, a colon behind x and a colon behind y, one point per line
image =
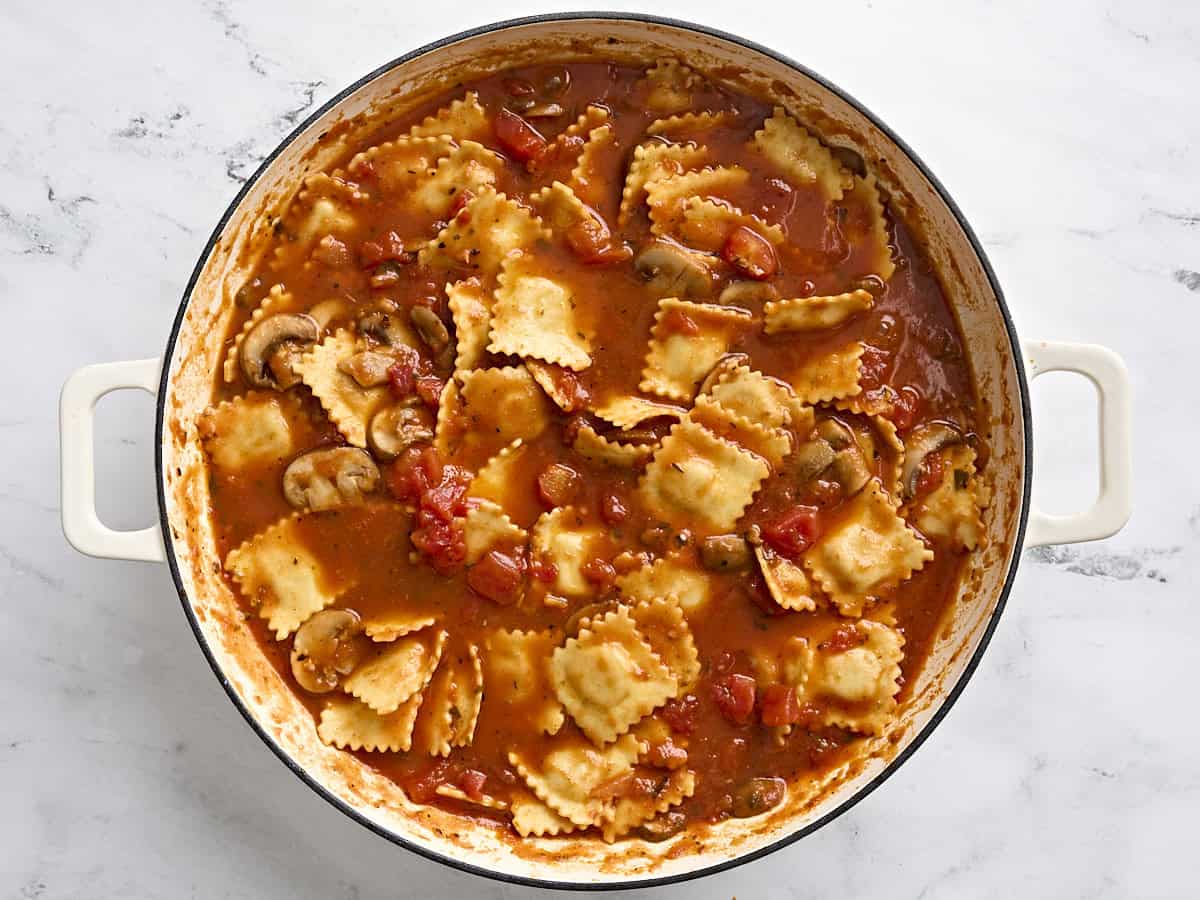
x: 1112, y: 508
x: 76, y: 416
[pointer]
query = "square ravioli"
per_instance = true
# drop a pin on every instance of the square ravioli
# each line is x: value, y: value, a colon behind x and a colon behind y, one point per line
x: 687, y: 341
x: 869, y: 550
x: 608, y: 677
x: 700, y: 478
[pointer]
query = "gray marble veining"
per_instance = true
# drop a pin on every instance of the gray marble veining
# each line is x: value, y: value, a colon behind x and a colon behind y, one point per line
x: 1069, y: 134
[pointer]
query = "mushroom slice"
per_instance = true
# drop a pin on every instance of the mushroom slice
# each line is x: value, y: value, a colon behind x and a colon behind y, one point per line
x: 810, y: 459
x: 368, y: 367
x: 324, y: 479
x: 923, y: 441
x: 327, y: 648
x: 672, y: 271
x: 726, y: 363
x: 272, y: 345
x: 386, y: 326
x: 740, y: 293
x: 396, y: 428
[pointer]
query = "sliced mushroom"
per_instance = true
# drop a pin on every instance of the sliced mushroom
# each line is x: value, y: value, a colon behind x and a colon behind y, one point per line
x: 725, y: 553
x: 737, y: 293
x: 396, y: 428
x: 837, y: 434
x: 663, y: 826
x: 271, y: 346
x: 324, y: 479
x: 672, y: 271
x: 920, y: 443
x: 386, y: 326
x: 849, y: 469
x: 758, y: 795
x: 368, y: 367
x: 726, y: 363
x: 432, y: 330
x: 544, y: 111
x: 811, y: 459
x: 327, y: 648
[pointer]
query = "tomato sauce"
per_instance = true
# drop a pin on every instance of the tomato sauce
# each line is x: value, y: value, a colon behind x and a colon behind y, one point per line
x: 915, y: 350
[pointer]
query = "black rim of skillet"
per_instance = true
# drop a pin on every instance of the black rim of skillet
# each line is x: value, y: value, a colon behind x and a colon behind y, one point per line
x: 785, y: 841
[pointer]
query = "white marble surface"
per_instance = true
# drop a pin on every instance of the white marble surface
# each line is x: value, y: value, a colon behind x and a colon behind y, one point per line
x: 1069, y: 133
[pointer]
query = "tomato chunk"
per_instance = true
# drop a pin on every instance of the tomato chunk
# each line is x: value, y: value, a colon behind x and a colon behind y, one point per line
x: 907, y: 410
x: 681, y: 713
x: 793, y: 532
x: 613, y: 510
x: 598, y: 572
x: 429, y: 389
x: 499, y: 577
x: 422, y: 787
x: 734, y: 696
x: 402, y: 375
x: 677, y: 321
x: 933, y: 469
x: 844, y: 637
x: 779, y: 705
x: 558, y: 484
x: 750, y: 253
x: 388, y: 247
x: 592, y: 242
x: 472, y: 783
x: 518, y: 138
x: 459, y: 204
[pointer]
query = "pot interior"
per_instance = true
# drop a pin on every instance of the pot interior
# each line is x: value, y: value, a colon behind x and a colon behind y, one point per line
x: 197, y: 348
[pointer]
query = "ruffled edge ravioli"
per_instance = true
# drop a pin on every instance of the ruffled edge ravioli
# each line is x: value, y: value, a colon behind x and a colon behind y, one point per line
x: 608, y: 677
x: 516, y: 673
x: 399, y: 670
x: 700, y: 477
x: 535, y: 316
x: 248, y: 430
x: 348, y: 404
x: 277, y: 574
x: 951, y: 512
x: 677, y: 362
x: 569, y: 772
x: 869, y: 549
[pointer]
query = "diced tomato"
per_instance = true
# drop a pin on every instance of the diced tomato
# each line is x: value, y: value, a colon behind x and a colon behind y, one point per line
x: 666, y: 755
x: 598, y: 572
x: 472, y: 783
x: 499, y: 577
x: 402, y: 375
x: 460, y: 204
x: 677, y: 321
x: 750, y: 253
x: 793, y: 532
x: 844, y: 637
x: 591, y: 240
x: 933, y: 469
x: 559, y: 152
x: 429, y: 389
x: 909, y: 404
x: 387, y: 247
x: 681, y: 713
x: 874, y: 365
x: 613, y: 510
x: 558, y: 484
x: 543, y: 570
x: 412, y: 474
x: 808, y: 715
x: 734, y: 696
x: 442, y: 544
x: 518, y: 138
x: 422, y: 787
x: 779, y: 705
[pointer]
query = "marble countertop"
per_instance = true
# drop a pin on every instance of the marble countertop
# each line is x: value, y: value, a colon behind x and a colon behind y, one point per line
x: 1068, y: 134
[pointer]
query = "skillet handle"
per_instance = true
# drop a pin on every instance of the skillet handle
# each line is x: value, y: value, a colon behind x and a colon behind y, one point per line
x: 1112, y: 508
x: 76, y: 414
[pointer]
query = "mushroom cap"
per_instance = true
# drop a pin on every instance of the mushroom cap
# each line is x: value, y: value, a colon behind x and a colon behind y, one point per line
x: 396, y: 428
x: 328, y: 478
x: 674, y: 271
x: 924, y: 440
x: 326, y: 648
x: 726, y: 363
x: 267, y: 337
x: 739, y: 292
